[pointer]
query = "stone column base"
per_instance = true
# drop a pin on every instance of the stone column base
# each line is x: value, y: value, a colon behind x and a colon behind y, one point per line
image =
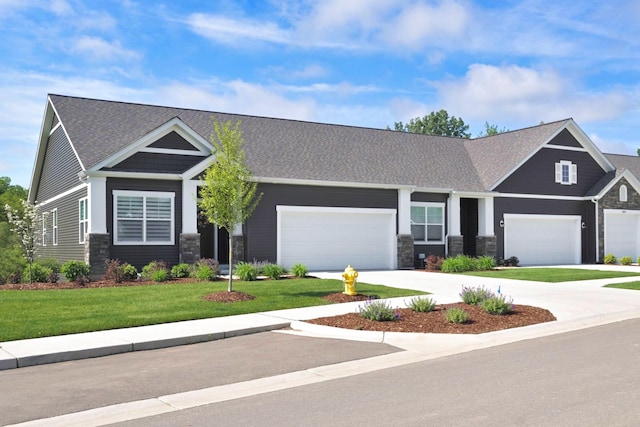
x: 405, y: 251
x: 189, y: 248
x: 455, y: 245
x: 486, y: 246
x: 96, y: 253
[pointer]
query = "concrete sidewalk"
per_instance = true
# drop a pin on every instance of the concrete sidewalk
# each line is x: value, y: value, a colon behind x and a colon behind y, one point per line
x: 576, y: 305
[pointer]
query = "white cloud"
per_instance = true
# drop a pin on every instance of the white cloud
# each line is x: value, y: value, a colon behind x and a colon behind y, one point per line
x: 99, y: 49
x: 227, y: 30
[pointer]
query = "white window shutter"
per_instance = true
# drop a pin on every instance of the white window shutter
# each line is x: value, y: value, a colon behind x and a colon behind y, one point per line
x: 574, y: 173
x: 559, y: 173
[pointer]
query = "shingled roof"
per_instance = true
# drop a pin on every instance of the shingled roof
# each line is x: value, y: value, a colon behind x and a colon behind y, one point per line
x: 298, y: 150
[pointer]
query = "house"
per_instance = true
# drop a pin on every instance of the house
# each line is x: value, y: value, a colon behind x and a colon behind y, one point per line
x: 120, y: 180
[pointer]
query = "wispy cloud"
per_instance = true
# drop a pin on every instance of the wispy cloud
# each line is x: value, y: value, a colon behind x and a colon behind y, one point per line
x: 98, y: 49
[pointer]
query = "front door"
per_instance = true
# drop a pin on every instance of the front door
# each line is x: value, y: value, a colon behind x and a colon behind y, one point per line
x: 469, y: 225
x: 214, y: 242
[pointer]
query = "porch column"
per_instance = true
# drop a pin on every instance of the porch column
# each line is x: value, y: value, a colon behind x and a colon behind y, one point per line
x: 97, y: 195
x: 455, y: 243
x: 404, y: 239
x: 189, y: 238
x: 486, y: 240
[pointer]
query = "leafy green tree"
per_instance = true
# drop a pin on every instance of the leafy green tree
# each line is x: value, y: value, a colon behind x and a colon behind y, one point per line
x: 24, y: 225
x: 435, y: 123
x: 10, y: 195
x: 490, y: 130
x: 229, y: 196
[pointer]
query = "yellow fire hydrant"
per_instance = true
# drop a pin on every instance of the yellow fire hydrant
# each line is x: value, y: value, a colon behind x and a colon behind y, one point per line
x: 349, y: 277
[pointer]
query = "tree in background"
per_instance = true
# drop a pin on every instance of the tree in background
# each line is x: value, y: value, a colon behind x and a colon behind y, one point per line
x: 11, y: 261
x: 24, y: 225
x: 11, y: 195
x: 229, y: 196
x: 490, y: 130
x: 435, y: 123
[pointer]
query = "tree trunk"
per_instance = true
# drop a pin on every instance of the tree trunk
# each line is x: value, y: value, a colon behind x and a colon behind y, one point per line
x: 230, y: 287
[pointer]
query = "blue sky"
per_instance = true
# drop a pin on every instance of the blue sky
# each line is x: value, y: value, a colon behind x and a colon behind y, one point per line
x: 358, y: 62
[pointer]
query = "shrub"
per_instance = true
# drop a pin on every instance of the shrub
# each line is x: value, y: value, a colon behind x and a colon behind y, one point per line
x: 378, y: 310
x: 54, y: 266
x: 459, y: 264
x: 497, y: 305
x: 39, y: 273
x: 626, y: 260
x: 509, y: 262
x: 486, y: 263
x: 246, y: 271
x: 474, y: 296
x: 299, y: 270
x: 76, y: 271
x: 456, y: 315
x: 610, y: 259
x: 274, y: 271
x: 206, y: 269
x: 180, y: 271
x: 434, y: 263
x: 421, y: 304
x: 129, y: 272
x: 114, y: 270
x: 149, y: 271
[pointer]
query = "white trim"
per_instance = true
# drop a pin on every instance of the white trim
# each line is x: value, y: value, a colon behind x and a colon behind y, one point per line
x: 54, y: 226
x: 173, y: 151
x: 57, y: 125
x: 85, y: 221
x: 327, y: 209
x: 427, y: 205
x: 198, y: 169
x: 630, y: 177
x: 61, y: 195
x: 623, y: 194
x: 541, y: 196
x: 144, y: 195
x: 486, y: 217
x: 189, y: 207
x: 135, y: 175
x: 404, y: 211
x: 43, y: 229
x: 565, y: 148
x: 319, y: 183
x: 97, y: 194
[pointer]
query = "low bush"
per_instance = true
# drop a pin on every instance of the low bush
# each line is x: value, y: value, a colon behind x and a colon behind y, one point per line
x: 475, y: 295
x: 497, y: 305
x: 156, y: 271
x: 486, y: 263
x: 273, y: 271
x: 421, y: 304
x: 626, y: 260
x: 129, y: 272
x: 76, y: 271
x: 459, y: 264
x: 114, y: 270
x: 509, y: 262
x: 299, y: 270
x: 180, y: 271
x: 456, y: 315
x: 246, y: 271
x: 610, y: 259
x: 54, y: 265
x: 433, y: 263
x: 206, y: 269
x: 378, y: 310
x: 37, y: 274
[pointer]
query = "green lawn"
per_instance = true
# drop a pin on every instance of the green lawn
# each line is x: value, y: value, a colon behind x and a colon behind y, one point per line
x: 552, y: 275
x: 31, y: 314
x: 635, y: 286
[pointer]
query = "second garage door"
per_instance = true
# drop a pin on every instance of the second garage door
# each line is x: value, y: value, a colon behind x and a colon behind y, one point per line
x: 543, y: 239
x: 325, y: 238
x: 622, y: 233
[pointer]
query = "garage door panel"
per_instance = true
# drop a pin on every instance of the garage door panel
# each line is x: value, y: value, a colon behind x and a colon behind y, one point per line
x: 331, y: 238
x: 622, y: 233
x: 543, y: 239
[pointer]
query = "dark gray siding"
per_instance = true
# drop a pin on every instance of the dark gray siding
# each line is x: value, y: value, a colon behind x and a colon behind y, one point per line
x: 54, y: 121
x: 261, y: 228
x: 438, y: 250
x: 537, y: 175
x: 156, y: 162
x: 585, y: 209
x: 60, y: 167
x: 140, y: 255
x: 174, y: 141
x: 68, y: 247
x: 565, y: 138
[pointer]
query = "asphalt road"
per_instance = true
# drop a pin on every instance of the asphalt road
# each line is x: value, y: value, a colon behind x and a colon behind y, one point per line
x: 49, y: 390
x: 589, y: 377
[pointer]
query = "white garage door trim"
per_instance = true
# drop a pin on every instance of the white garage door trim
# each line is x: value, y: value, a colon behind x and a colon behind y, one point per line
x: 384, y: 240
x: 622, y: 232
x: 543, y: 248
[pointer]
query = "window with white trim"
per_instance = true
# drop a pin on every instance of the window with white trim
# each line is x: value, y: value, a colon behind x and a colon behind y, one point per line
x: 83, y: 219
x: 427, y: 223
x: 45, y: 215
x: 623, y: 193
x: 566, y: 172
x: 143, y: 218
x: 54, y: 226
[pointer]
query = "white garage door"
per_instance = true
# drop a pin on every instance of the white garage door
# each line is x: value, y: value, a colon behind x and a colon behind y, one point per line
x: 543, y: 239
x: 621, y: 233
x: 324, y: 238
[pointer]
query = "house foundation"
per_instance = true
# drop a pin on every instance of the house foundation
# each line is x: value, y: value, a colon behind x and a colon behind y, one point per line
x: 405, y: 251
x: 97, y: 253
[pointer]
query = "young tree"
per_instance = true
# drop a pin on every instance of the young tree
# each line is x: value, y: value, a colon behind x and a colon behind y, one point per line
x: 229, y: 196
x: 24, y: 225
x: 490, y: 130
x: 435, y: 123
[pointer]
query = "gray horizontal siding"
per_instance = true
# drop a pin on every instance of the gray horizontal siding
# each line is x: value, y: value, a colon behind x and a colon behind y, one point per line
x: 156, y: 162
x: 173, y: 141
x: 68, y: 247
x: 566, y: 139
x: 261, y: 227
x: 140, y: 255
x: 60, y: 167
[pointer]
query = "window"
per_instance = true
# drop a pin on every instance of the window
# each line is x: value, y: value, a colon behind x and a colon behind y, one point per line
x: 83, y: 219
x: 566, y: 173
x: 54, y: 225
x: 427, y: 222
x: 44, y: 228
x: 143, y: 218
x: 623, y: 193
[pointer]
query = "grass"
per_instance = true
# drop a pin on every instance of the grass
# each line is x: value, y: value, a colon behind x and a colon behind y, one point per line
x: 634, y: 286
x: 551, y: 275
x: 32, y: 314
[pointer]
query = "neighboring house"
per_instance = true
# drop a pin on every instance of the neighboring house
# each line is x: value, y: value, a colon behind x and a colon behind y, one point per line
x: 120, y: 180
